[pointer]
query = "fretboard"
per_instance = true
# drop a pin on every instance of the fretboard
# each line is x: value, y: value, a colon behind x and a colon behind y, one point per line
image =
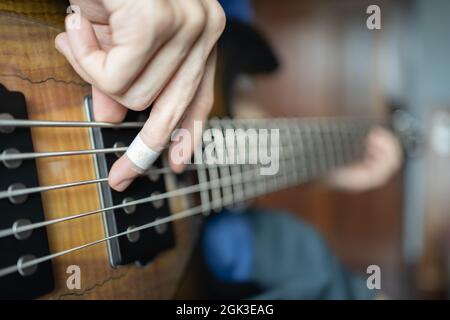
x: 308, y: 150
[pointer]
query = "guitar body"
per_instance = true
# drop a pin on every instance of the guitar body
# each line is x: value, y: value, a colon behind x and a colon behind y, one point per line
x: 30, y: 64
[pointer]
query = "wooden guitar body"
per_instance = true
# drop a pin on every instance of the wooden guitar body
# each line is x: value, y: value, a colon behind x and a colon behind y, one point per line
x: 30, y: 64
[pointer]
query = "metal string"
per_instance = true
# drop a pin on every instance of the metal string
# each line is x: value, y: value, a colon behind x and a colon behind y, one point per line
x: 176, y: 193
x: 20, y: 123
x: 7, y: 194
x: 37, y: 155
x: 178, y: 216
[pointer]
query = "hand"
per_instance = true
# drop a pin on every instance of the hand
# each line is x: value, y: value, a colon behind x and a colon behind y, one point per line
x: 143, y: 52
x: 382, y: 159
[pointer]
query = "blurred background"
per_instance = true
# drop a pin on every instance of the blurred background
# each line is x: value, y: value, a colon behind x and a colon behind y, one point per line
x: 318, y: 58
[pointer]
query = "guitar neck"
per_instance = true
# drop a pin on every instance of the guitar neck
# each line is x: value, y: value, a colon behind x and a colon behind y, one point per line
x: 243, y: 159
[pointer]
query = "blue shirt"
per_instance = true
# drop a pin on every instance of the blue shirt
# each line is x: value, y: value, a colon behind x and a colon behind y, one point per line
x: 241, y: 10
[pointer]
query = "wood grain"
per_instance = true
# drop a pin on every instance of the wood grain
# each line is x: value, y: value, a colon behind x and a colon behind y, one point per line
x: 29, y: 63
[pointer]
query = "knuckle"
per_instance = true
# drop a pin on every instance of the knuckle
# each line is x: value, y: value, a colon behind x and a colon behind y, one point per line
x: 170, y: 123
x: 195, y: 19
x: 168, y: 22
x: 160, y: 25
x: 138, y: 106
x: 113, y: 85
x: 161, y: 132
x: 217, y: 19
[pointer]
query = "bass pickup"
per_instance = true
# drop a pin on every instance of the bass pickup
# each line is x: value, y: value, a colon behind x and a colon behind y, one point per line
x: 142, y: 246
x: 20, y: 211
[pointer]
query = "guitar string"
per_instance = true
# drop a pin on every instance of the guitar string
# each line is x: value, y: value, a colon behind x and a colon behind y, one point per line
x: 26, y: 191
x: 8, y: 232
x: 181, y: 215
x: 176, y: 217
x: 191, y: 189
x: 4, y: 157
x: 6, y: 122
x: 25, y: 123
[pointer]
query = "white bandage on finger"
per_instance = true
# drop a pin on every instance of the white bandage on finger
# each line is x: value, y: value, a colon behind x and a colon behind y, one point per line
x: 141, y: 155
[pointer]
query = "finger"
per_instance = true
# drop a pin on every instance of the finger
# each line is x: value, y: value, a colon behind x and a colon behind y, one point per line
x: 164, y: 117
x: 63, y: 46
x: 106, y: 109
x: 184, y: 143
x: 113, y: 71
x: 173, y: 101
x: 384, y: 148
x: 171, y: 104
x: 381, y: 160
x: 168, y: 59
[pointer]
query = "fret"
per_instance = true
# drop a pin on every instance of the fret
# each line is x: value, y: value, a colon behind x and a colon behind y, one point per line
x: 355, y: 140
x: 203, y: 181
x: 269, y: 181
x: 284, y: 156
x: 363, y: 132
x: 319, y: 145
x: 213, y: 171
x: 261, y: 182
x: 345, y: 137
x: 351, y: 134
x: 285, y: 123
x: 261, y: 186
x: 258, y: 187
x: 249, y: 188
x: 291, y: 146
x: 302, y: 152
x: 237, y: 186
x: 330, y: 158
x: 335, y: 133
x: 307, y: 150
x: 312, y: 156
x: 225, y: 170
x: 275, y: 180
x: 288, y: 170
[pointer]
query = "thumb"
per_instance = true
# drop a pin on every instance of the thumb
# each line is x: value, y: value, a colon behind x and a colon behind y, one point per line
x: 84, y: 46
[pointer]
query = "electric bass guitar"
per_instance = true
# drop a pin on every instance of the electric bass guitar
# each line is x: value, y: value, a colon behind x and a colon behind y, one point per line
x: 64, y: 234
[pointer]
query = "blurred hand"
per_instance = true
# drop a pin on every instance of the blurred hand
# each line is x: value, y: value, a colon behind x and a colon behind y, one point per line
x: 382, y: 159
x: 142, y: 52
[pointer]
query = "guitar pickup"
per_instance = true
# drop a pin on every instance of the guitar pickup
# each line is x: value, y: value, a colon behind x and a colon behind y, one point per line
x: 141, y: 246
x: 19, y: 211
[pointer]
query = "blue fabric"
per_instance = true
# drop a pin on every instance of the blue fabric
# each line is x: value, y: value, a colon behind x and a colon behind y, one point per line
x: 228, y: 246
x: 241, y: 10
x: 282, y: 255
